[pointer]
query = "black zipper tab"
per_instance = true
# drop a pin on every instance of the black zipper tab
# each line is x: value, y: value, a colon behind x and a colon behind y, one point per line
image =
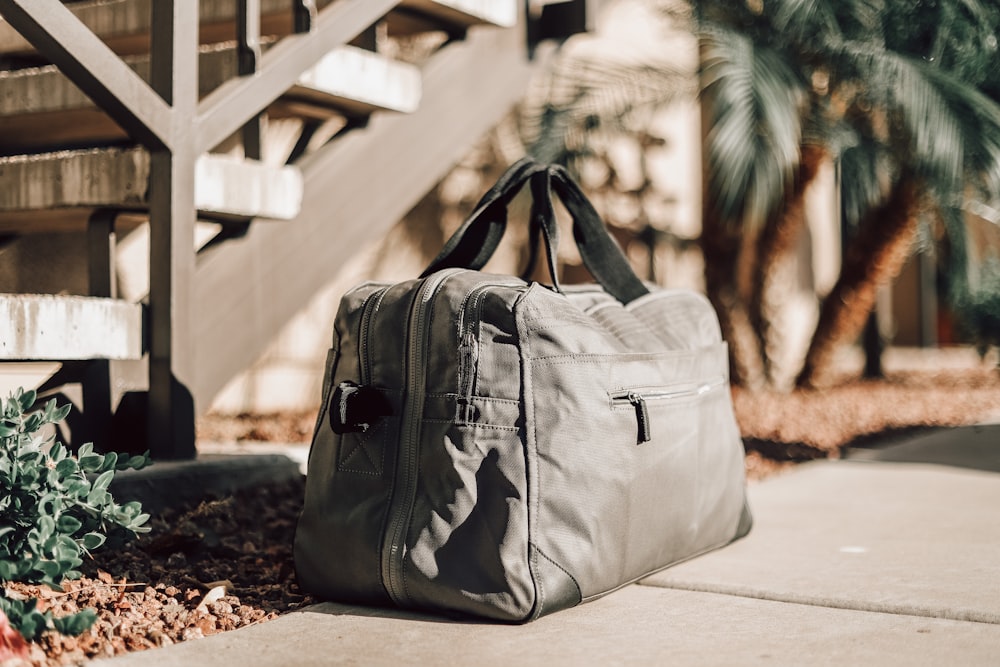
x: 641, y: 416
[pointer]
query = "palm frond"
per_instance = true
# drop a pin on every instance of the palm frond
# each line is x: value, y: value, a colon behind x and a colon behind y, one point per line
x: 923, y: 127
x: 978, y: 121
x: 753, y: 142
x: 805, y: 21
x: 582, y: 93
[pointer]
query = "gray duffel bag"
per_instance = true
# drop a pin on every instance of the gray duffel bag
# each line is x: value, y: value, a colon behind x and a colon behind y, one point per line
x: 504, y: 449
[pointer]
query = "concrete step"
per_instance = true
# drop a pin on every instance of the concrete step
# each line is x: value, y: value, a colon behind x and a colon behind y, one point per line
x: 416, y: 15
x: 44, y: 327
x: 42, y: 110
x: 58, y: 191
x: 125, y: 24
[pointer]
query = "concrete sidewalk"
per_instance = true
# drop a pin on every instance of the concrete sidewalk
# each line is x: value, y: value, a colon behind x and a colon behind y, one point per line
x: 890, y: 557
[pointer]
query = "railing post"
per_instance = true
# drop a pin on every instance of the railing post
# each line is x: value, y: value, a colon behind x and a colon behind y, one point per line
x: 304, y: 15
x: 170, y: 408
x: 248, y: 53
x: 96, y: 382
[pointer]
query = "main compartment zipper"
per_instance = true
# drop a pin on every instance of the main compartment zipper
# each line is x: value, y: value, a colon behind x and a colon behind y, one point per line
x: 468, y: 347
x: 640, y: 399
x: 408, y: 454
x: 368, y: 309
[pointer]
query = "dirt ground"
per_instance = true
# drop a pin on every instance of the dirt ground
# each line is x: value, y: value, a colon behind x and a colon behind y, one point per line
x: 227, y: 562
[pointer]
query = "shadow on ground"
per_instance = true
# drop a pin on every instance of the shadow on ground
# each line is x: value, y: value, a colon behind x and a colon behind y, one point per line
x: 972, y: 447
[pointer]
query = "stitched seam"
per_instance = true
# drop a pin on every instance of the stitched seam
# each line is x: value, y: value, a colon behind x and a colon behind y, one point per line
x: 344, y: 465
x: 472, y: 424
x: 475, y: 397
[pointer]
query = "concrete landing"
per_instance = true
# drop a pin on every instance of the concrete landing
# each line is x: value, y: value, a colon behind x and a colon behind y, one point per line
x: 894, y: 538
x: 639, y: 625
x: 849, y: 563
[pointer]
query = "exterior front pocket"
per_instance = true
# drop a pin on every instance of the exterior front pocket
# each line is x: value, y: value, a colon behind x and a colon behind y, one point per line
x: 619, y: 465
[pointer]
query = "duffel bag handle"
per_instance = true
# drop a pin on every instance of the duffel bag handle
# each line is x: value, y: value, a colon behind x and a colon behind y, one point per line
x: 475, y: 241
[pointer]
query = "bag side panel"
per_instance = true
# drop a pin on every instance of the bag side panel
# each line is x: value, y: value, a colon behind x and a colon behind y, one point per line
x: 466, y: 547
x: 611, y: 508
x: 349, y: 480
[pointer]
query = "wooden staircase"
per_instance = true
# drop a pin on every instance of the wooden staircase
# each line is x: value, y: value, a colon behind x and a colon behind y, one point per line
x: 118, y: 112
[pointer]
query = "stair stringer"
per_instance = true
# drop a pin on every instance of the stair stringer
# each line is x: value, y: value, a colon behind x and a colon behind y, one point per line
x: 355, y: 189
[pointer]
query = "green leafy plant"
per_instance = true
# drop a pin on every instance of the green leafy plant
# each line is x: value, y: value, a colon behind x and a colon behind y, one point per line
x: 55, y: 508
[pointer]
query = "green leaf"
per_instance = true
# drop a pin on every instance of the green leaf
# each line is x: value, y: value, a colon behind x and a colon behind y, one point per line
x: 102, y: 482
x: 61, y: 413
x: 77, y: 488
x: 91, y: 462
x: 8, y: 570
x: 31, y: 457
x: 6, y: 430
x: 132, y: 507
x: 98, y: 497
x: 85, y: 449
x: 110, y: 461
x: 92, y: 541
x: 46, y: 526
x: 75, y: 624
x: 138, y: 462
x: 31, y: 625
x: 33, y: 423
x: 66, y: 467
x: 50, y: 568
x: 57, y: 452
x: 27, y: 399
x: 49, y: 504
x: 68, y: 524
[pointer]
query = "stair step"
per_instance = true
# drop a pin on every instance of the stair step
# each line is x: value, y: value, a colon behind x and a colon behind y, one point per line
x: 68, y: 185
x: 124, y: 25
x: 42, y: 327
x: 360, y: 82
x: 462, y: 13
x: 44, y: 110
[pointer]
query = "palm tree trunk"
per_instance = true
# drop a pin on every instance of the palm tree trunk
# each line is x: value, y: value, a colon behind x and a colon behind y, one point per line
x: 720, y: 247
x: 776, y: 240
x: 874, y: 257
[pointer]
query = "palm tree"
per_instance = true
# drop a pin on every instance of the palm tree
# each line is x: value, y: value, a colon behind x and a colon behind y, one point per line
x: 909, y: 127
x: 928, y: 132
x: 886, y: 87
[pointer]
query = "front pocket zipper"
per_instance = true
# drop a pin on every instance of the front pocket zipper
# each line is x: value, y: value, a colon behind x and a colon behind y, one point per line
x: 640, y: 399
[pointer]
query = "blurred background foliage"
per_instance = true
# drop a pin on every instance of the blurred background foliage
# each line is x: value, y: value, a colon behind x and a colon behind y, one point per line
x: 901, y: 95
x: 899, y: 98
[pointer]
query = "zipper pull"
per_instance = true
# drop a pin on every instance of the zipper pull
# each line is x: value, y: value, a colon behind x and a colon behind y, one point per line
x: 641, y: 416
x: 468, y: 357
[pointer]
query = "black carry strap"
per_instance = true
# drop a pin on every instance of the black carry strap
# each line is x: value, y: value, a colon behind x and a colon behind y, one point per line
x: 601, y: 255
x: 477, y: 239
